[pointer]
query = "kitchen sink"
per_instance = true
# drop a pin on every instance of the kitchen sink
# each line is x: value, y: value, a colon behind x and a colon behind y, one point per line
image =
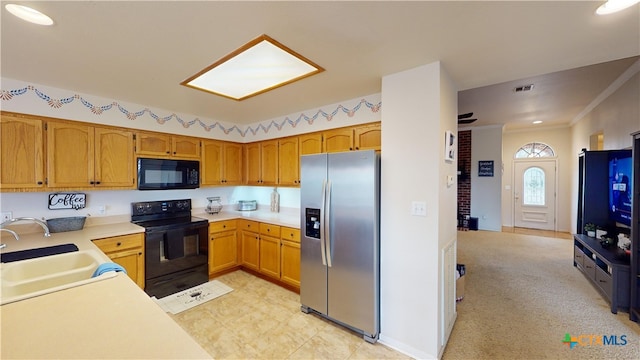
x: 43, y: 275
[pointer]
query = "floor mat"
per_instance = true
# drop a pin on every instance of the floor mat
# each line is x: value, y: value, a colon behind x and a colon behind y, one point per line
x: 186, y: 299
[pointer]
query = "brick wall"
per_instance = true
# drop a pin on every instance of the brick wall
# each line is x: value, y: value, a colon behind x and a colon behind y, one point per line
x: 464, y: 180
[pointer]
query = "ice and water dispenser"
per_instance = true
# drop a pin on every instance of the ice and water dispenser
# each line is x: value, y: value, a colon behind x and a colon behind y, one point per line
x: 312, y: 223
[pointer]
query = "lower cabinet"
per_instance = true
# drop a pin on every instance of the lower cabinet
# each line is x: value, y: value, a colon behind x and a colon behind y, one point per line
x: 223, y: 246
x: 290, y: 256
x: 128, y: 252
x: 270, y: 250
x: 250, y: 244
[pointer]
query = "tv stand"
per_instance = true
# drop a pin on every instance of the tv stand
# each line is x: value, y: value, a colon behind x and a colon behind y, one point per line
x: 606, y: 268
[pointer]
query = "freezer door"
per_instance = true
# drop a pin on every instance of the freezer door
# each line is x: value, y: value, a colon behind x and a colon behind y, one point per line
x: 353, y: 277
x: 313, y: 273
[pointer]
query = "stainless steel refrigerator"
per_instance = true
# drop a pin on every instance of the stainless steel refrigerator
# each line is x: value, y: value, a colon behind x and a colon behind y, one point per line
x: 340, y: 241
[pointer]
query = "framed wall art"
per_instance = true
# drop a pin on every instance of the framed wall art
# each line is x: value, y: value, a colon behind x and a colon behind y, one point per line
x: 450, y: 146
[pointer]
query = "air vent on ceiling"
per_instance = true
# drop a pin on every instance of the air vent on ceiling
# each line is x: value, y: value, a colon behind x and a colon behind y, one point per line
x: 524, y: 88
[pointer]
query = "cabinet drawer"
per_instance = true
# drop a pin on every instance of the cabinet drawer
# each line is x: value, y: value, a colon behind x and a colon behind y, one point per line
x: 589, y: 267
x: 271, y: 230
x: 249, y: 225
x: 578, y: 255
x: 605, y: 282
x: 290, y: 234
x: 119, y: 243
x: 218, y: 226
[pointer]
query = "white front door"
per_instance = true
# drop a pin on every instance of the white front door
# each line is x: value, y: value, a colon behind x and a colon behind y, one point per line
x: 534, y: 194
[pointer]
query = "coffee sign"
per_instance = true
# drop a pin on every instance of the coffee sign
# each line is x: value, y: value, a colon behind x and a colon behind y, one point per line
x: 59, y: 201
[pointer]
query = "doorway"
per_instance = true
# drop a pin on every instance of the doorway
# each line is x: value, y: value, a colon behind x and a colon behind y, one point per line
x: 534, y: 193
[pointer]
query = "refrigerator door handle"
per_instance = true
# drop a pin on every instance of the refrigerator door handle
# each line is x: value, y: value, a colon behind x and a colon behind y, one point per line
x: 328, y: 224
x: 323, y: 223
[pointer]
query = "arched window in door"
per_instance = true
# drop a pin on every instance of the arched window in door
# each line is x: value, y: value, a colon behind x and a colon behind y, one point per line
x: 534, y: 187
x: 535, y: 150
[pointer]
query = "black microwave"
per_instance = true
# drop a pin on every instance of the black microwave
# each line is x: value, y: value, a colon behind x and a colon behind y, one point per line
x: 167, y: 174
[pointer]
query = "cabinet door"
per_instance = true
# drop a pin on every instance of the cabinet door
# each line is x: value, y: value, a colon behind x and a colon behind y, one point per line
x: 114, y: 158
x: 153, y: 144
x: 250, y: 249
x: 288, y: 161
x: 252, y: 163
x: 223, y: 249
x: 338, y: 140
x: 133, y: 262
x: 310, y: 143
x: 70, y: 155
x: 185, y: 147
x: 21, y: 152
x: 269, y: 162
x: 211, y: 167
x: 290, y: 262
x: 270, y: 256
x: 232, y: 164
x: 367, y: 137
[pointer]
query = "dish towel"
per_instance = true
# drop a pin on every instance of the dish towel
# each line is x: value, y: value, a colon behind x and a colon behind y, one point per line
x: 106, y: 267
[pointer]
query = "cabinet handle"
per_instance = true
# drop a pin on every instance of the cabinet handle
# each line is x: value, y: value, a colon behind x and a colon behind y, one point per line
x: 91, y: 182
x: 140, y: 254
x: 357, y: 148
x: 603, y: 281
x: 169, y: 152
x: 224, y: 226
x: 119, y: 244
x: 350, y: 148
x: 97, y: 182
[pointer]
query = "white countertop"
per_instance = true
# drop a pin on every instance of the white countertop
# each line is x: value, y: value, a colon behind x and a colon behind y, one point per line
x: 289, y: 217
x: 108, y: 319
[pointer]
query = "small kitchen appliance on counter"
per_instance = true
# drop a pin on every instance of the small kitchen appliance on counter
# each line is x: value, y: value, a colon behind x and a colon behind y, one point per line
x: 247, y: 205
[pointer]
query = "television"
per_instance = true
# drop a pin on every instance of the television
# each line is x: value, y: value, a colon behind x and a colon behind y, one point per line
x: 620, y: 194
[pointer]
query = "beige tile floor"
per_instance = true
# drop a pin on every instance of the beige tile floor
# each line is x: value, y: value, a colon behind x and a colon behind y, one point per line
x: 260, y: 320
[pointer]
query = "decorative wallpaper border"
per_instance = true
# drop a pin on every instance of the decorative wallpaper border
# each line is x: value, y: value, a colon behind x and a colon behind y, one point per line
x: 8, y: 95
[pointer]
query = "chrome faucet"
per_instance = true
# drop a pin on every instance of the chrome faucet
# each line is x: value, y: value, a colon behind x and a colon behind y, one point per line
x: 42, y: 224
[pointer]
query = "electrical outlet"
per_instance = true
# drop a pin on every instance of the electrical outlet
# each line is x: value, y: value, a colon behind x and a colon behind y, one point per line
x: 6, y: 215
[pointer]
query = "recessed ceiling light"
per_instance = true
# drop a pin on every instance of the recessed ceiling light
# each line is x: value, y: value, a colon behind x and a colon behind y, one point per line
x: 28, y: 14
x: 538, y: 122
x: 612, y: 6
x: 261, y: 65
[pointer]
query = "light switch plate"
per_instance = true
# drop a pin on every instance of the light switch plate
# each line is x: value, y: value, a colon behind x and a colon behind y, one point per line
x: 418, y: 208
x: 6, y: 215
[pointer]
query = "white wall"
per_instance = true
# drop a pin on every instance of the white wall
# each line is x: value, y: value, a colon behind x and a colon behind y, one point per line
x: 616, y: 113
x: 419, y: 105
x: 556, y: 138
x: 486, y: 194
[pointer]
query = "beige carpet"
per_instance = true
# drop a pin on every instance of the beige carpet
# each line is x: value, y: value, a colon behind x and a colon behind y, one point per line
x: 522, y: 295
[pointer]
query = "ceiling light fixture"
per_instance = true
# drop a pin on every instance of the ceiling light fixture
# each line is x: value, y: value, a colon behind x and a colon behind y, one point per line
x: 28, y: 14
x: 612, y: 6
x: 538, y: 122
x: 261, y: 65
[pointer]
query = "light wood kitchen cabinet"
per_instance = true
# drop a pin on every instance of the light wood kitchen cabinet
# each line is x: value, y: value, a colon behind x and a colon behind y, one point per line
x: 368, y: 137
x: 223, y: 246
x: 270, y: 250
x: 337, y: 140
x: 290, y: 256
x: 310, y: 143
x: 221, y: 163
x: 250, y: 244
x: 21, y: 152
x: 288, y: 161
x: 261, y: 163
x: 85, y: 156
x: 165, y: 145
x: 128, y: 252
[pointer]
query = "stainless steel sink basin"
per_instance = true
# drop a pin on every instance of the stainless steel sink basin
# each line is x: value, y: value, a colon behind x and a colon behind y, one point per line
x: 34, y: 277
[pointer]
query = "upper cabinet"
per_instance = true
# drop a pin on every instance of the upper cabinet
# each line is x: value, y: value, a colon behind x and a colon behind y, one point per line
x: 337, y: 140
x: 221, y: 163
x: 261, y: 163
x: 21, y: 152
x: 165, y: 145
x: 367, y: 137
x: 85, y: 156
x: 310, y: 143
x: 289, y: 161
